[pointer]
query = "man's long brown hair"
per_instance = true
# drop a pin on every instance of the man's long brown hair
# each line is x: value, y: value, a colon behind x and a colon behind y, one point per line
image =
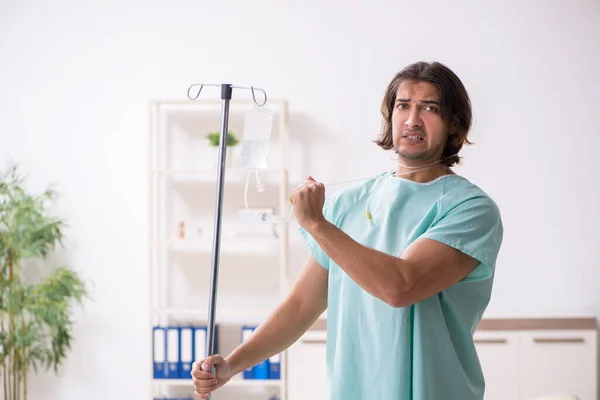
x: 455, y: 105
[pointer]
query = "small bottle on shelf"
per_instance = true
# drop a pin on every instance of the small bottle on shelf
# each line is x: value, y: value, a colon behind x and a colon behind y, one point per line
x: 180, y: 230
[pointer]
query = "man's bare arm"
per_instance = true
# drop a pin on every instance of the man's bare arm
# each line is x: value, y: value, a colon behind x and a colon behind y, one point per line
x: 424, y: 269
x: 292, y: 318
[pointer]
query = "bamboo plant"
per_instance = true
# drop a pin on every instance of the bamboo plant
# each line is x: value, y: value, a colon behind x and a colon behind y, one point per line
x: 35, y: 314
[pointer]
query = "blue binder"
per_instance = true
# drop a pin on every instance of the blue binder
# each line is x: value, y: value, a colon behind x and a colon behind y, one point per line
x: 275, y: 367
x: 159, y: 344
x: 186, y: 355
x: 173, y: 352
x: 246, y: 332
x: 199, y: 342
x: 176, y: 348
x: 216, y: 338
x: 261, y: 370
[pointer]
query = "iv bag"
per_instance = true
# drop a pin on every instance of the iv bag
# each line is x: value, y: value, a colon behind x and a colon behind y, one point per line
x: 258, y: 123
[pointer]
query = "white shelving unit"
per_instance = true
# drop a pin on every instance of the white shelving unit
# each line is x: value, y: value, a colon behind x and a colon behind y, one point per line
x: 254, y: 257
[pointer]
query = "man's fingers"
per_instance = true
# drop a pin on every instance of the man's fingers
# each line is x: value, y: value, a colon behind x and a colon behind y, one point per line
x: 310, y: 184
x: 197, y: 369
x: 205, y: 386
x: 209, y: 362
x: 207, y: 366
x: 198, y: 374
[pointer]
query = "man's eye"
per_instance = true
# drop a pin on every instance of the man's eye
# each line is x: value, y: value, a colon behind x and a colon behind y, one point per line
x: 402, y: 106
x: 430, y: 108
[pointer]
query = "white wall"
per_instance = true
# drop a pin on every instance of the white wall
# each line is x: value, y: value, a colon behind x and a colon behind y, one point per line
x: 76, y: 79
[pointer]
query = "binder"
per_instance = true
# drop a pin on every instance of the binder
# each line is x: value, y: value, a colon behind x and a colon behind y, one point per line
x: 216, y: 338
x: 275, y: 367
x: 261, y: 370
x: 173, y: 352
x: 200, y: 343
x: 199, y: 346
x: 159, y: 345
x: 175, y: 348
x: 246, y: 332
x: 186, y: 355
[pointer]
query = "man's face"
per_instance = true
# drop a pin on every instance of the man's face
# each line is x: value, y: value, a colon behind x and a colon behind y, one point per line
x: 418, y: 130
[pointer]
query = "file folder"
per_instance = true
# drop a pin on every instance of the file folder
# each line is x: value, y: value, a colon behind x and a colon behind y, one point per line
x: 200, y: 339
x: 246, y: 332
x: 173, y: 352
x: 186, y: 352
x: 200, y: 342
x: 175, y: 348
x: 160, y: 348
x: 261, y: 370
x: 275, y: 367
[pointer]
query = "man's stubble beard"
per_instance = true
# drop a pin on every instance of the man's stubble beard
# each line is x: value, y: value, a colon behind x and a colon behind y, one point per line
x: 426, y: 155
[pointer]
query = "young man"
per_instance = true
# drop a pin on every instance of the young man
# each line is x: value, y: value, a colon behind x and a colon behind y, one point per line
x: 403, y: 262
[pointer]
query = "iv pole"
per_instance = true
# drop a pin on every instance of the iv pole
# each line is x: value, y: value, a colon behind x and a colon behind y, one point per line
x: 226, y: 94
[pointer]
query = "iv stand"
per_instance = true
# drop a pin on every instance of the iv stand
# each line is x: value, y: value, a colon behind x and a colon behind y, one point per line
x: 226, y: 93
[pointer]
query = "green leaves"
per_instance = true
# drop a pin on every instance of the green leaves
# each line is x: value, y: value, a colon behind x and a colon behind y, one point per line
x: 35, y: 317
x: 215, y: 137
x: 25, y: 227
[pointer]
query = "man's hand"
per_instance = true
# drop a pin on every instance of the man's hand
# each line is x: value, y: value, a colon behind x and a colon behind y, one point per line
x: 204, y: 380
x: 308, y: 201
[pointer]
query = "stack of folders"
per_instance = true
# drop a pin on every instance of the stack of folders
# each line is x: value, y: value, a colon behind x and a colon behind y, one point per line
x: 268, y: 369
x: 176, y: 348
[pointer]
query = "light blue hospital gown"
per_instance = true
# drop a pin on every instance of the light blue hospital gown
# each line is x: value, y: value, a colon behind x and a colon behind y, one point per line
x: 424, y: 351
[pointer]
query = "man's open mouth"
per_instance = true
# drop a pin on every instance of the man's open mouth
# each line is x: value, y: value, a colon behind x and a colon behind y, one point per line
x: 414, y: 137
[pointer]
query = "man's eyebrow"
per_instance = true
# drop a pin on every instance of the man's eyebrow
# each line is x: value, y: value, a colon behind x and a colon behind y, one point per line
x: 422, y: 101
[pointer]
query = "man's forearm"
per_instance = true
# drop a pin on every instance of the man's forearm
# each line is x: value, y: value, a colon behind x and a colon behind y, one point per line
x: 378, y: 273
x: 276, y: 334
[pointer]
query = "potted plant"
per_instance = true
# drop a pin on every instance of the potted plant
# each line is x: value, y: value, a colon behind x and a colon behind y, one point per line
x: 35, y: 314
x: 213, y: 141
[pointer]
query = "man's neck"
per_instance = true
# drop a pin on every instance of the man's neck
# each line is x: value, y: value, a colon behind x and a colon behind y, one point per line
x: 423, y: 174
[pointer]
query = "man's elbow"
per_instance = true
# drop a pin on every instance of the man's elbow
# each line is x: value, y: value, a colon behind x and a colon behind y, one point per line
x: 399, y: 299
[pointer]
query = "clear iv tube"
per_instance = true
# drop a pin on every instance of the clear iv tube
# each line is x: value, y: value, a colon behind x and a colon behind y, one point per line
x: 259, y: 186
x: 282, y: 220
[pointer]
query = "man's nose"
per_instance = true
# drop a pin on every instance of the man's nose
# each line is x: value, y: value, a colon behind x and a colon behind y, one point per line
x: 414, y: 119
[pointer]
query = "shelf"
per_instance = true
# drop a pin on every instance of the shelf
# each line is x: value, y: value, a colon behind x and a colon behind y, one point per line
x: 235, y: 382
x: 223, y: 315
x: 254, y: 264
x: 264, y: 245
x: 204, y: 176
